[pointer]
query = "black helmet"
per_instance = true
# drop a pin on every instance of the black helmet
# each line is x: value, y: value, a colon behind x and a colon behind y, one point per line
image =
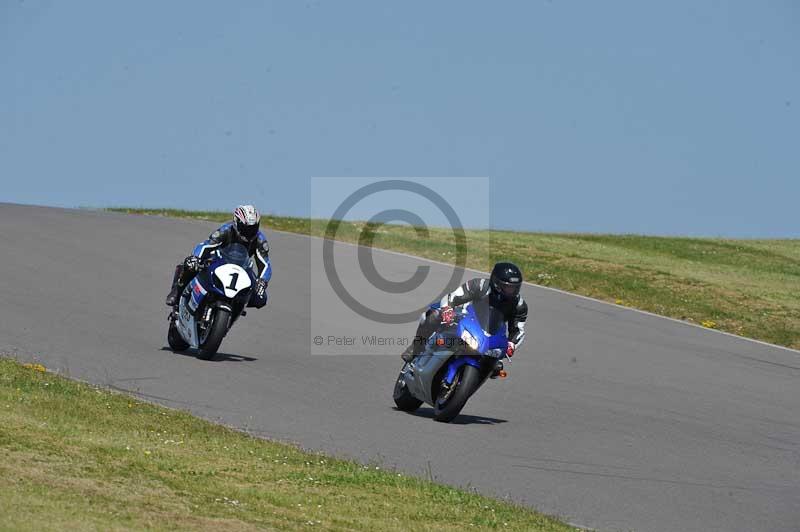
x: 506, y: 280
x: 245, y: 222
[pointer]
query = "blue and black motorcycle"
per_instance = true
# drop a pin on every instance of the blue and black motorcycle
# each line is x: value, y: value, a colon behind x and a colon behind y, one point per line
x: 456, y: 361
x: 212, y: 302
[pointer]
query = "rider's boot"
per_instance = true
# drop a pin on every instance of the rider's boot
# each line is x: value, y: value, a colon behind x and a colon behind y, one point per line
x: 417, y: 345
x: 428, y: 323
x: 410, y: 352
x: 172, y: 297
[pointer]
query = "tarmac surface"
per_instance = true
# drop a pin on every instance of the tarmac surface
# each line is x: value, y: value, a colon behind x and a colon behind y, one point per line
x: 611, y: 418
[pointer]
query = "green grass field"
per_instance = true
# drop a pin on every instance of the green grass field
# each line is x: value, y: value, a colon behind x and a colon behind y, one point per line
x: 746, y: 287
x: 76, y: 457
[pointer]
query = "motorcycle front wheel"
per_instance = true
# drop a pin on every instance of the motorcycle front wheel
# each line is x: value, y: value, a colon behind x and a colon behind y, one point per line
x: 450, y: 401
x: 214, y: 335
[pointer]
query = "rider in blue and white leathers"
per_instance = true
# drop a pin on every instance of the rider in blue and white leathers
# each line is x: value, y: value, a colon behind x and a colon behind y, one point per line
x: 244, y: 229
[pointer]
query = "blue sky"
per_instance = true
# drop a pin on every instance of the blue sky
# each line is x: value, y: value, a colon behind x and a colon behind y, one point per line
x: 660, y: 118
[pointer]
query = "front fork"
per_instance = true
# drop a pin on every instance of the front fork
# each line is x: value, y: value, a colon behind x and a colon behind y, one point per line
x: 456, y: 363
x: 491, y: 368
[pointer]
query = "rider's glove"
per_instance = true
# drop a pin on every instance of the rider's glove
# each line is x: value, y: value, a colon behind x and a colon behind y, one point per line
x: 192, y: 263
x: 510, y: 349
x: 259, y: 298
x: 261, y: 288
x: 447, y: 314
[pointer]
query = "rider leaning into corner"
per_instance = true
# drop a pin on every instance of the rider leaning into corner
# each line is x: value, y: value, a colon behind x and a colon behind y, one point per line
x: 244, y: 229
x: 502, y: 290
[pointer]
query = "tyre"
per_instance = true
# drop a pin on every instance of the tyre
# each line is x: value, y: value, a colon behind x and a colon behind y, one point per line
x: 216, y: 332
x: 403, y: 398
x: 175, y: 340
x: 450, y: 401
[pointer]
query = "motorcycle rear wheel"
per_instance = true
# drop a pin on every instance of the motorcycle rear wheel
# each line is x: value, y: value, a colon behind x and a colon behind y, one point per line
x: 403, y: 398
x: 449, y: 405
x: 175, y: 340
x: 217, y: 331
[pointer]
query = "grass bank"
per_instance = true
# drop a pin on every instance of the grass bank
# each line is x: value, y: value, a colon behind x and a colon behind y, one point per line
x: 746, y: 287
x: 76, y: 457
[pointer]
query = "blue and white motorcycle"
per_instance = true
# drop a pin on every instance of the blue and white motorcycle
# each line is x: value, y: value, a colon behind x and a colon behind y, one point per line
x: 212, y: 302
x: 456, y: 361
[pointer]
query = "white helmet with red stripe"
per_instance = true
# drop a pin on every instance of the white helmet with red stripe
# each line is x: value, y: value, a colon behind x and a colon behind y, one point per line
x: 246, y: 220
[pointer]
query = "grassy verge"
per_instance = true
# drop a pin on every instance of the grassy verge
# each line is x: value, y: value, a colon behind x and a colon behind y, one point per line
x: 75, y: 457
x: 746, y: 287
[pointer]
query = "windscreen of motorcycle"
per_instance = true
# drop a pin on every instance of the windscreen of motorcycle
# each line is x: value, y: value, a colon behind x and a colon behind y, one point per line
x: 489, y: 318
x: 235, y: 254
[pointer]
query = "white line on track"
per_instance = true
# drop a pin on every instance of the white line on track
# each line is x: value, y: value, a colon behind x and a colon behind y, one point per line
x: 558, y: 290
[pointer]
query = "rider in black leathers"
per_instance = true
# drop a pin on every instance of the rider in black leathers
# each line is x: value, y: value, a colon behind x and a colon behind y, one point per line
x: 502, y: 290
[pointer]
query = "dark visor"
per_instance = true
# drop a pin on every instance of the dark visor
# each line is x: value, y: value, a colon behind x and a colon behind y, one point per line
x: 248, y: 231
x: 508, y: 289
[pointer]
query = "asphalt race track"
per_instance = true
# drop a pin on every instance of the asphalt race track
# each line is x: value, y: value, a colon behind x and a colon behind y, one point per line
x: 611, y: 418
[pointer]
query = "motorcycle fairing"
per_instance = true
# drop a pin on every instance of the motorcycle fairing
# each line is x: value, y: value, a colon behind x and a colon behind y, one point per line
x: 420, y: 374
x: 198, y: 293
x: 185, y: 321
x: 471, y: 323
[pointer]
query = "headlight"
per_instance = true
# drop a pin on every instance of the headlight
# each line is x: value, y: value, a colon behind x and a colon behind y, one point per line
x: 469, y: 339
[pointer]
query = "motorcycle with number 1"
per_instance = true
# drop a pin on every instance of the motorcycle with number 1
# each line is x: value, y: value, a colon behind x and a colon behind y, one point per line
x: 212, y: 302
